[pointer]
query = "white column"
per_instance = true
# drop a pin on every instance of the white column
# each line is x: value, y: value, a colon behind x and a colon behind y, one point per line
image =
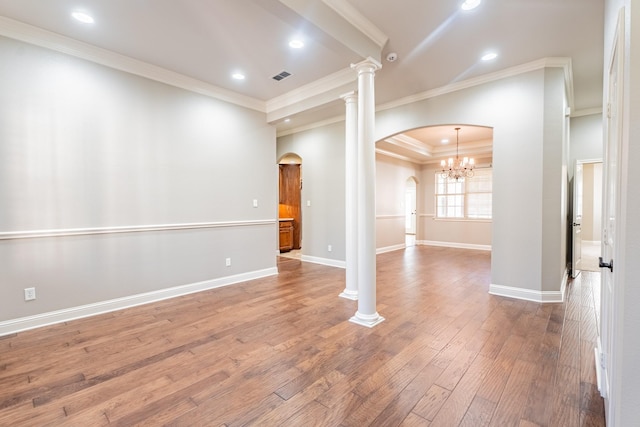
x: 351, y: 192
x: 366, y: 314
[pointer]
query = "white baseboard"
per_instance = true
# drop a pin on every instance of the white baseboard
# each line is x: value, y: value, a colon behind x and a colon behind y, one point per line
x: 531, y: 295
x: 525, y: 294
x: 324, y: 261
x: 390, y: 248
x: 454, y: 245
x: 73, y: 313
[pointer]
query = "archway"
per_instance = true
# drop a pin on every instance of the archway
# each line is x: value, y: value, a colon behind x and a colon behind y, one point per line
x: 462, y: 220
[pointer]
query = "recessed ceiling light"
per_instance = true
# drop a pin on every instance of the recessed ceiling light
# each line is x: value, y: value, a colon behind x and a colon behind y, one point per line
x: 445, y: 141
x: 238, y: 76
x: 470, y: 4
x: 489, y: 56
x: 83, y: 17
x: 296, y: 44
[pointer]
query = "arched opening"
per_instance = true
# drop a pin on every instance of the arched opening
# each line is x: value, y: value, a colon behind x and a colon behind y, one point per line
x: 436, y: 212
x: 289, y: 203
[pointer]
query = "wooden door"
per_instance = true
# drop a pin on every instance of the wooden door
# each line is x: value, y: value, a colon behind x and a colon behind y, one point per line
x: 290, y: 188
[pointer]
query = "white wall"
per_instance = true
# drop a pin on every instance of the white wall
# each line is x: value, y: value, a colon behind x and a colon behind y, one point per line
x: 586, y: 139
x: 554, y: 180
x: 87, y: 148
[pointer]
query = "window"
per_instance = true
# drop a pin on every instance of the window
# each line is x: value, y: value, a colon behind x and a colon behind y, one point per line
x: 466, y: 198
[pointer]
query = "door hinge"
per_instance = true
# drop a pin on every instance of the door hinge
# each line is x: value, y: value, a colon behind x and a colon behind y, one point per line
x: 608, y: 111
x: 603, y: 360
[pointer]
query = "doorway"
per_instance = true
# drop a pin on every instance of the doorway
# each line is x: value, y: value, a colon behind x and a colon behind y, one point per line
x: 587, y: 217
x: 289, y: 204
x: 410, y: 211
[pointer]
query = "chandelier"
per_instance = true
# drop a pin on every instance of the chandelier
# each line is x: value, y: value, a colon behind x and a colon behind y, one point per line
x: 457, y: 168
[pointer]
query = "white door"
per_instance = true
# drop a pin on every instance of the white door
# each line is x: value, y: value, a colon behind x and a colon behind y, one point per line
x: 410, y: 207
x: 610, y: 211
x: 578, y: 193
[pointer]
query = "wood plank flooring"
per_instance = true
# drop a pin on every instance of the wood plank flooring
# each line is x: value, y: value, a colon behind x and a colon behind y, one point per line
x: 280, y: 351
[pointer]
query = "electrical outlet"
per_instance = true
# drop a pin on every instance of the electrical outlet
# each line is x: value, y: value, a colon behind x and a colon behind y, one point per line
x: 29, y: 294
x: 227, y: 262
x: 255, y: 203
x: 329, y: 248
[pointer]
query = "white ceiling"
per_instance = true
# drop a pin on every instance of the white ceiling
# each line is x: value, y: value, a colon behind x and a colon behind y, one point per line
x: 437, y: 44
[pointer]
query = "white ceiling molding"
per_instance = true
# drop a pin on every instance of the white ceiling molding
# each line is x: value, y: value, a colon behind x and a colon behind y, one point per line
x: 327, y: 122
x: 491, y: 77
x: 355, y: 18
x: 302, y: 98
x: 397, y: 156
x: 465, y: 84
x: 473, y: 147
x: 339, y: 27
x: 405, y: 141
x: 587, y: 112
x: 50, y: 40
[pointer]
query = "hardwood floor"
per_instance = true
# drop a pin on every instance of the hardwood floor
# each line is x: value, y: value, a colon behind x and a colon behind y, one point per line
x: 280, y: 351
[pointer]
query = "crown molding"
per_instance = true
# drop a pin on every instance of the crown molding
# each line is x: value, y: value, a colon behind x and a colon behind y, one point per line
x: 355, y: 18
x: 587, y: 112
x: 561, y: 62
x: 552, y: 62
x: 318, y: 87
x: 409, y: 143
x: 37, y: 36
x: 314, y: 125
x: 397, y: 156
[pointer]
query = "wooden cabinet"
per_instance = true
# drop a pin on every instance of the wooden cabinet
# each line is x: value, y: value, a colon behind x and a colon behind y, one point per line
x: 286, y: 235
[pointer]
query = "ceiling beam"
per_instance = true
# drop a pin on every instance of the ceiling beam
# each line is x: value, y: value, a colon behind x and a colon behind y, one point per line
x: 343, y: 23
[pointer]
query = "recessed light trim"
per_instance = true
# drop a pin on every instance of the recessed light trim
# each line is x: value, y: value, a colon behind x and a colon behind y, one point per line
x: 83, y: 17
x: 296, y: 44
x: 444, y: 141
x: 470, y: 4
x: 238, y: 76
x: 489, y: 56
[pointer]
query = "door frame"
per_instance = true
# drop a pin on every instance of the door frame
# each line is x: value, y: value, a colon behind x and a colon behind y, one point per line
x: 579, y: 162
x: 414, y: 205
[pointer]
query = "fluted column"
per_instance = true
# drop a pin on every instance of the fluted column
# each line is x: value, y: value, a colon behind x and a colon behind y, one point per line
x: 366, y: 197
x: 351, y: 193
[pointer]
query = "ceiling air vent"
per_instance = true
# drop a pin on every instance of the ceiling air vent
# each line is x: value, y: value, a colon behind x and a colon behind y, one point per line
x: 282, y: 75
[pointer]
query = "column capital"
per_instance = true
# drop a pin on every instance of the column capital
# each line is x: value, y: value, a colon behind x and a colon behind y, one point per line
x: 349, y: 96
x: 368, y: 65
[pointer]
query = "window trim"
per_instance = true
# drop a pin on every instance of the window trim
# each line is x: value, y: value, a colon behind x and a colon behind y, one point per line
x: 464, y: 218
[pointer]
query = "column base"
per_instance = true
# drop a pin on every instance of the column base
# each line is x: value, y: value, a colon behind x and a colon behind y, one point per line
x: 368, y: 320
x: 349, y: 294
